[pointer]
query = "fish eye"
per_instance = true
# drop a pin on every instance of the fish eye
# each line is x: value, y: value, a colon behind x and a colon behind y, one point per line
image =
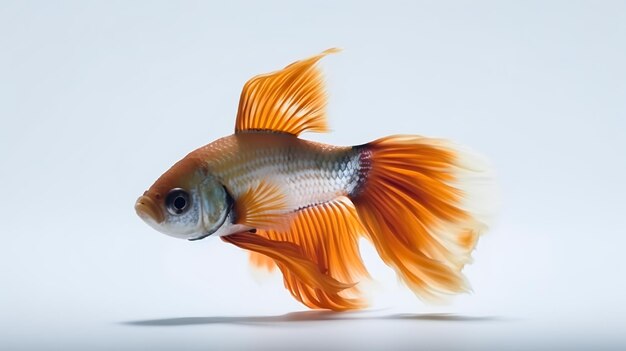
x: 177, y: 201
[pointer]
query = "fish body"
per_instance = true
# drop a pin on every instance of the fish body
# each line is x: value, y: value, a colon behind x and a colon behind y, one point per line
x: 306, y: 172
x: 302, y: 206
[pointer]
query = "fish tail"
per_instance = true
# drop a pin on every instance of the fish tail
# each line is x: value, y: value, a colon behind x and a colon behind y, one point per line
x: 420, y: 201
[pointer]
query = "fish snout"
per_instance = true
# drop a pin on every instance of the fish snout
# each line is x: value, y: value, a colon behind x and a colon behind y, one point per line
x: 148, y: 210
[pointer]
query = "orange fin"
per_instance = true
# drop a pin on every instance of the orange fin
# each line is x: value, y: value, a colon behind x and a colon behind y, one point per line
x: 261, y: 261
x: 326, y: 235
x: 418, y: 204
x: 261, y: 207
x: 291, y: 100
x: 291, y: 262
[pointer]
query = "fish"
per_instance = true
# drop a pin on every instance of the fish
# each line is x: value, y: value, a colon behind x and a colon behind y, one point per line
x: 303, y: 207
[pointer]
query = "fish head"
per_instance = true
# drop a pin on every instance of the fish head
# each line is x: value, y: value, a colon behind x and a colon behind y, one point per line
x: 186, y: 202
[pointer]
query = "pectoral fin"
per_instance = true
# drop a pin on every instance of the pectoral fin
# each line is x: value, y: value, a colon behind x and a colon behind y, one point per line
x: 261, y: 206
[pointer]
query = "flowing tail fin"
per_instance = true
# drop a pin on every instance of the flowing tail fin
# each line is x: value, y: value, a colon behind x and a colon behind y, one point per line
x: 419, y: 201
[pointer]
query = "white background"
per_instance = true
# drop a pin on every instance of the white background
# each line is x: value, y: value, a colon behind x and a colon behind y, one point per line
x: 98, y: 98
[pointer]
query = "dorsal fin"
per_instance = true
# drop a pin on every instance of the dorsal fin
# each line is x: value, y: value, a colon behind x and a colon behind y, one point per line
x: 291, y: 100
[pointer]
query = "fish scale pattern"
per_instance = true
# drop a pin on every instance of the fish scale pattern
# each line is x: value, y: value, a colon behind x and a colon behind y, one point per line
x: 307, y: 173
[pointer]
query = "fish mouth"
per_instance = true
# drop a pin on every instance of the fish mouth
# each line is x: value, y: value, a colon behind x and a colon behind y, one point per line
x: 148, y: 210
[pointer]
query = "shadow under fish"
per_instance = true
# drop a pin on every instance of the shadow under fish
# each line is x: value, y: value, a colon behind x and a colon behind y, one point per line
x: 307, y: 316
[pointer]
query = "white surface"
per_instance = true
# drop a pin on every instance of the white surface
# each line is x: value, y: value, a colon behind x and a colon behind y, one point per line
x: 97, y: 99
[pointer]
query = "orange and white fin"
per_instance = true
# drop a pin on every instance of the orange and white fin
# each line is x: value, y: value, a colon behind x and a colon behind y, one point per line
x: 418, y: 204
x: 325, y: 235
x: 289, y: 259
x: 262, y: 206
x: 291, y: 100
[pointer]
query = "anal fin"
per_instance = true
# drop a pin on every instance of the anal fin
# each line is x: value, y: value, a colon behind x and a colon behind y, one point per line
x: 318, y: 255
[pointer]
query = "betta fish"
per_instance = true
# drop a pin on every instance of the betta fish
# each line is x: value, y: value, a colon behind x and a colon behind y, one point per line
x: 302, y: 206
